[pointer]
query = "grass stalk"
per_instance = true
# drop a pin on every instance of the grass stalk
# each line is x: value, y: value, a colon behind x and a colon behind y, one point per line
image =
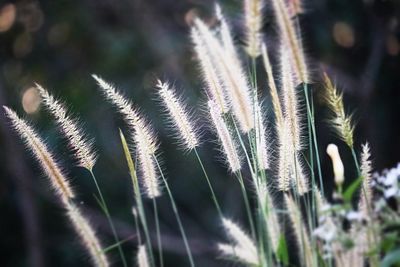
x: 109, y: 219
x: 215, y: 200
x: 160, y: 253
x: 176, y: 213
x: 138, y: 197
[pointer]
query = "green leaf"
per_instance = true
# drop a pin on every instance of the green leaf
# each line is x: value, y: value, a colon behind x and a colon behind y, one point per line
x: 348, y: 194
x: 389, y: 241
x: 111, y: 247
x: 131, y: 165
x: 391, y: 259
x: 282, y: 252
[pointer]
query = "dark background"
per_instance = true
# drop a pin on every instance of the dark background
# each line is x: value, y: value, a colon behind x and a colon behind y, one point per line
x: 130, y: 42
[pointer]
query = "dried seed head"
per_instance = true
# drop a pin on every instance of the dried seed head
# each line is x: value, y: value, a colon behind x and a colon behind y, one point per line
x: 179, y: 115
x: 229, y: 147
x: 299, y: 177
x: 290, y: 40
x: 215, y: 90
x: 366, y: 173
x: 241, y: 247
x: 286, y: 152
x: 232, y: 77
x: 145, y: 141
x: 253, y: 22
x: 299, y: 227
x: 87, y: 235
x: 261, y: 140
x: 271, y: 221
x: 58, y: 180
x: 290, y: 100
x: 71, y: 130
x: 295, y: 7
x: 342, y: 123
x: 276, y: 103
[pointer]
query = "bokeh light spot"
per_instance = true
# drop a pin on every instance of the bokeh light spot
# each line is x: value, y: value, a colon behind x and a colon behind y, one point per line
x: 30, y: 100
x: 392, y: 45
x: 30, y: 15
x: 190, y: 16
x: 343, y: 34
x: 58, y: 34
x: 7, y: 17
x: 22, y: 45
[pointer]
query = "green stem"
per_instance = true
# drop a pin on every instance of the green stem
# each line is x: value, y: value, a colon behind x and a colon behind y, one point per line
x: 209, y: 184
x: 107, y: 213
x: 353, y: 153
x: 178, y: 219
x: 137, y: 196
x: 247, y: 204
x: 312, y: 124
x: 139, y: 237
x: 160, y: 253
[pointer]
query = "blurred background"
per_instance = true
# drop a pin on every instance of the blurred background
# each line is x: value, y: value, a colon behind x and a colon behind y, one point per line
x: 130, y: 42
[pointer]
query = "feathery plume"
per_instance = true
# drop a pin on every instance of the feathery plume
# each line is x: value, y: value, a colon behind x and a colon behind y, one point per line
x: 271, y: 218
x: 71, y: 130
x: 295, y: 7
x: 179, y: 115
x: 302, y: 237
x: 87, y: 235
x: 210, y: 76
x: 290, y: 100
x: 225, y: 34
x: 366, y: 173
x: 338, y: 168
x: 145, y: 141
x: 291, y: 40
x: 286, y: 153
x: 242, y: 247
x: 276, y: 103
x: 39, y: 149
x: 299, y: 177
x: 147, y: 166
x: 228, y: 145
x: 232, y: 76
x: 341, y: 122
x: 142, y: 258
x: 253, y: 22
x: 261, y: 140
x: 320, y: 201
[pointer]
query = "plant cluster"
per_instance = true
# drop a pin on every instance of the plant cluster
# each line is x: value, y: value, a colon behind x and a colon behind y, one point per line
x: 358, y: 226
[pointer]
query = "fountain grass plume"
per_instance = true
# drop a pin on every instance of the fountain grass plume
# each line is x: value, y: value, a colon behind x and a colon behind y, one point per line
x: 34, y: 143
x: 229, y: 146
x: 341, y: 122
x: 215, y: 90
x: 241, y: 247
x: 79, y: 143
x: 232, y: 77
x: 87, y: 236
x: 253, y: 21
x: 178, y: 115
x: 145, y: 141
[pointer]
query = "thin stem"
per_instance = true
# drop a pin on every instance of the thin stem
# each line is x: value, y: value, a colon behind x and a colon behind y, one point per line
x: 178, y: 219
x: 107, y: 213
x: 160, y: 253
x: 246, y: 203
x: 353, y: 153
x: 139, y: 237
x: 137, y: 196
x: 310, y: 115
x: 209, y: 184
